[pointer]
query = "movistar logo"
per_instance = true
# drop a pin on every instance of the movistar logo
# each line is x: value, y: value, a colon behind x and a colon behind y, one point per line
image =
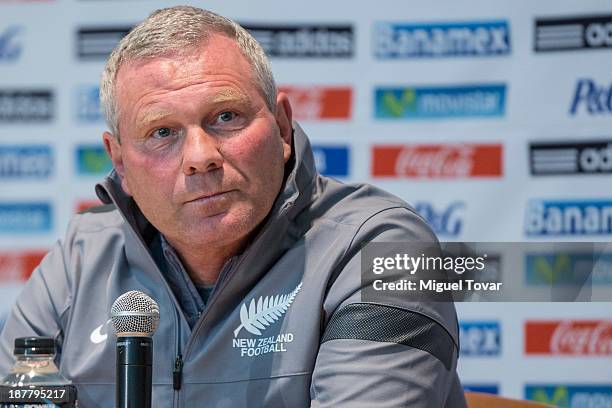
x: 556, y: 396
x: 571, y: 395
x: 399, y: 102
x: 92, y: 160
x: 549, y: 269
x: 437, y: 102
x: 565, y: 268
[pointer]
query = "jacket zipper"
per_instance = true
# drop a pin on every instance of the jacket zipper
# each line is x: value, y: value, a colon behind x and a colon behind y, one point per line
x: 222, y: 277
x: 177, y: 373
x: 228, y: 271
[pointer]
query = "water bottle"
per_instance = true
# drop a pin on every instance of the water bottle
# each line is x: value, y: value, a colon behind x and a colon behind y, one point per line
x: 34, y: 365
x: 35, y: 379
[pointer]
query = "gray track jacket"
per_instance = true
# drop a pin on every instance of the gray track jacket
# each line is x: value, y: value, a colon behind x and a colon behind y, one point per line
x: 286, y: 325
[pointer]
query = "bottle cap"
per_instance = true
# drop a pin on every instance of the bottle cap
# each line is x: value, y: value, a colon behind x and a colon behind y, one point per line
x: 30, y: 346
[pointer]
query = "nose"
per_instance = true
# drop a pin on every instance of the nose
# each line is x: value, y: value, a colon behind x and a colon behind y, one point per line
x: 200, y: 152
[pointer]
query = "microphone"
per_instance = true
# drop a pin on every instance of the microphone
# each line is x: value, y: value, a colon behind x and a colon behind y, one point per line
x: 135, y: 317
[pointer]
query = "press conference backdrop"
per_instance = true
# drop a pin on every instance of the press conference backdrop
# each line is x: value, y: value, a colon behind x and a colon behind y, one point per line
x: 492, y: 118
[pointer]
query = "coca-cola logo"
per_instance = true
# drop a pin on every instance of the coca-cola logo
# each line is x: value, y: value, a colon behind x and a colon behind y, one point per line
x: 316, y: 103
x: 444, y: 162
x: 308, y: 103
x: 438, y: 161
x: 582, y: 338
x: 17, y: 266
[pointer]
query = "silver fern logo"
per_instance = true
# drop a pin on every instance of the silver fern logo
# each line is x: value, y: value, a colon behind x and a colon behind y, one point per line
x: 266, y: 311
x: 257, y: 317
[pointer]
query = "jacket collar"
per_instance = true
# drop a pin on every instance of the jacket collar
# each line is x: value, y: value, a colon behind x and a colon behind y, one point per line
x: 297, y: 192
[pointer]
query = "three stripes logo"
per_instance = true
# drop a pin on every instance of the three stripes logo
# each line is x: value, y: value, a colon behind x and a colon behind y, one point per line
x: 96, y: 43
x: 592, y: 157
x: 573, y: 33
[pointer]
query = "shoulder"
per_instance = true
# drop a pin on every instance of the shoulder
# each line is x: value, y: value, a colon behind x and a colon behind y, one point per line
x: 94, y: 227
x: 97, y: 218
x: 376, y: 216
x: 368, y: 210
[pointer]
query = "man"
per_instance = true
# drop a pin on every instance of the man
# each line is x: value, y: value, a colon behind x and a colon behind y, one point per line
x: 216, y: 211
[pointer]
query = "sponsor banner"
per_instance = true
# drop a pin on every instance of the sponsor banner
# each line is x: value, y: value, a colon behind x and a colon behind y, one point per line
x: 571, y: 395
x: 10, y: 43
x: 92, y: 160
x: 332, y: 160
x: 24, y: 218
x: 437, y: 160
x: 471, y: 272
x: 17, y: 266
x: 485, y: 388
x: 304, y: 40
x: 439, y: 102
x: 26, y: 162
x: 568, y: 217
x: 573, y: 33
x: 84, y: 205
x: 560, y: 158
x: 457, y: 39
x: 319, y: 102
x: 568, y: 268
x: 88, y: 104
x: 591, y: 98
x: 446, y: 221
x: 480, y: 339
x: 99, y: 42
x: 569, y: 337
x: 22, y: 105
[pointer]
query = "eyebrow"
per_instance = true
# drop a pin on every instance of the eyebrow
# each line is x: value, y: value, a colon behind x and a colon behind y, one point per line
x: 227, y: 95
x: 154, y: 116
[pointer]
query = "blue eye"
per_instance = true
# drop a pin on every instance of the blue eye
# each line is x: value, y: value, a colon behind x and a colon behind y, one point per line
x: 162, y: 133
x: 226, y: 116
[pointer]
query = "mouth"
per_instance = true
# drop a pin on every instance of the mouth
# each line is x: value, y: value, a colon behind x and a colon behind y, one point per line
x: 205, y: 198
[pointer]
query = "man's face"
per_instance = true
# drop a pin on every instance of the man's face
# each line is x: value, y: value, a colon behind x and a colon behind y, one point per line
x: 200, y: 152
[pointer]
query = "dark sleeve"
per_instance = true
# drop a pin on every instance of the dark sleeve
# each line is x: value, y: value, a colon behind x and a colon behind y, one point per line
x: 392, y: 353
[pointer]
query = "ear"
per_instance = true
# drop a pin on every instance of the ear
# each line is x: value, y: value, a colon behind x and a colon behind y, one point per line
x: 283, y: 120
x: 113, y: 148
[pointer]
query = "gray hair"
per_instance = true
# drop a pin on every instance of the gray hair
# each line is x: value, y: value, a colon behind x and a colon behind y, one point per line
x: 179, y: 30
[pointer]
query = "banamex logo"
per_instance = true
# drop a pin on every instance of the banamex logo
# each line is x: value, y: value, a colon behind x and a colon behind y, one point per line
x: 480, y: 338
x: 448, y: 39
x: 568, y: 217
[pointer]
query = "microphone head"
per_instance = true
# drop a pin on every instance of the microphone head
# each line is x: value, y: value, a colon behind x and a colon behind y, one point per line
x: 135, y: 314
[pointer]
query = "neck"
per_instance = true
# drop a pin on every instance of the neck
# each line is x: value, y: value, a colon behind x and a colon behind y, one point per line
x: 204, y: 264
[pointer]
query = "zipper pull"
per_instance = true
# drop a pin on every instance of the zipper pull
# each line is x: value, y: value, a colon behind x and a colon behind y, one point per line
x: 177, y: 373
